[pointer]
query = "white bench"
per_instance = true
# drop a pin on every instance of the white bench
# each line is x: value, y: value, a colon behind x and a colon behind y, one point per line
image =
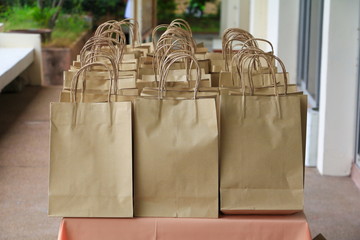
x: 20, y: 54
x: 13, y: 61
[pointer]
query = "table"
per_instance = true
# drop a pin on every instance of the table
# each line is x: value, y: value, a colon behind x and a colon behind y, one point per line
x: 244, y: 227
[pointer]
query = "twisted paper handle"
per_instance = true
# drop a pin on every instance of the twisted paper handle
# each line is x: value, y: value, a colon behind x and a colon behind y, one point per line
x: 75, y: 81
x: 171, y: 59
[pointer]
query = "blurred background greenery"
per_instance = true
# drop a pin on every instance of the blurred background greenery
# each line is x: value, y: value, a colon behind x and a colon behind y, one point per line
x: 202, y: 15
x: 67, y: 19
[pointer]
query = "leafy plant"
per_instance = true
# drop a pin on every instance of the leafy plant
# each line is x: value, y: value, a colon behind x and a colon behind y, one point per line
x: 165, y: 11
x: 101, y: 8
x: 73, y: 6
x: 49, y: 11
x: 43, y: 16
x: 204, y: 24
x: 67, y: 30
x: 33, y: 15
x: 19, y: 18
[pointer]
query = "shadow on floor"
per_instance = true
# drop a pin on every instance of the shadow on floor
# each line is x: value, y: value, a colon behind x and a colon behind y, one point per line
x: 13, y: 105
x: 24, y: 164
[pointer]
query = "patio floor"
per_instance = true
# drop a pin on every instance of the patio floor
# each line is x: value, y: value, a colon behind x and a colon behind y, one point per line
x: 332, y: 204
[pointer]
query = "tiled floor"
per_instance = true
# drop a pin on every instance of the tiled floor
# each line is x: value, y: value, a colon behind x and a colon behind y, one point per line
x: 24, y: 162
x: 332, y: 204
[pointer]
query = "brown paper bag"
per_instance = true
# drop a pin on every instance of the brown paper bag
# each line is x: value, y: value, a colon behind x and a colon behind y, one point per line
x: 261, y: 157
x: 89, y: 96
x: 176, y: 157
x: 178, y: 78
x: 291, y: 90
x: 91, y: 160
x: 259, y: 79
x: 261, y: 160
x: 204, y: 64
x: 125, y: 65
x: 98, y: 80
x: 176, y: 171
x: 215, y: 77
x: 217, y: 62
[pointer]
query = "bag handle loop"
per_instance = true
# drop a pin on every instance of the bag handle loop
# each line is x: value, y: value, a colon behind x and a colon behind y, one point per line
x: 153, y: 34
x: 171, y: 59
x: 75, y: 80
x: 182, y: 24
x: 268, y: 58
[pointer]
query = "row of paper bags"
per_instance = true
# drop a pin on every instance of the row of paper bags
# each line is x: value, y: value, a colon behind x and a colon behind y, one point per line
x: 239, y: 149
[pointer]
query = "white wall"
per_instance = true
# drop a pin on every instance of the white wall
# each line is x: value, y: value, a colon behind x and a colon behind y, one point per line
x: 234, y: 13
x: 244, y: 15
x: 338, y: 90
x: 264, y: 22
x: 278, y: 22
x: 272, y: 21
x: 258, y: 20
x: 288, y: 29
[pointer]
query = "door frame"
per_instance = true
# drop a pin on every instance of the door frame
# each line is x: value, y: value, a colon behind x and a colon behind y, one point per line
x: 357, y: 140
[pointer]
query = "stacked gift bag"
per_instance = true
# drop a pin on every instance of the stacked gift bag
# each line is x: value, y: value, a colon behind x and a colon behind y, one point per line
x: 168, y: 129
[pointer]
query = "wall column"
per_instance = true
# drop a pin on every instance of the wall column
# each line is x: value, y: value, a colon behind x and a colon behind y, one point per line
x: 338, y: 91
x: 288, y: 33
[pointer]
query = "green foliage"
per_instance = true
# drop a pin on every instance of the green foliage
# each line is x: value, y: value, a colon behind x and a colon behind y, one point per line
x: 165, y: 11
x: 100, y: 8
x: 205, y: 24
x: 18, y: 17
x: 43, y: 16
x: 67, y: 30
x: 73, y: 6
x: 6, y: 3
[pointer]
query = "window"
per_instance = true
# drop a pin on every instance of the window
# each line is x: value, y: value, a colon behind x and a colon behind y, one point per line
x: 309, y: 48
x: 357, y: 157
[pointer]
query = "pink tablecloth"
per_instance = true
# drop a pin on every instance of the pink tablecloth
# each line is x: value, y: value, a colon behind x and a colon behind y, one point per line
x: 288, y: 227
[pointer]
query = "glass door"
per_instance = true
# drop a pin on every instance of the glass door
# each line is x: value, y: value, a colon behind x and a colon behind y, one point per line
x: 357, y: 157
x: 358, y: 144
x: 309, y: 49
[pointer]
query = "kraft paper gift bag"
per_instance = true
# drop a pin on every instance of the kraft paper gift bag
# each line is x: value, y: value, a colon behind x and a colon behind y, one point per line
x: 217, y: 62
x: 180, y: 78
x: 261, y: 161
x: 176, y: 78
x: 231, y: 79
x: 94, y: 86
x: 98, y: 80
x: 176, y: 156
x: 90, y: 159
x: 100, y: 96
x: 268, y: 89
x: 261, y: 153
